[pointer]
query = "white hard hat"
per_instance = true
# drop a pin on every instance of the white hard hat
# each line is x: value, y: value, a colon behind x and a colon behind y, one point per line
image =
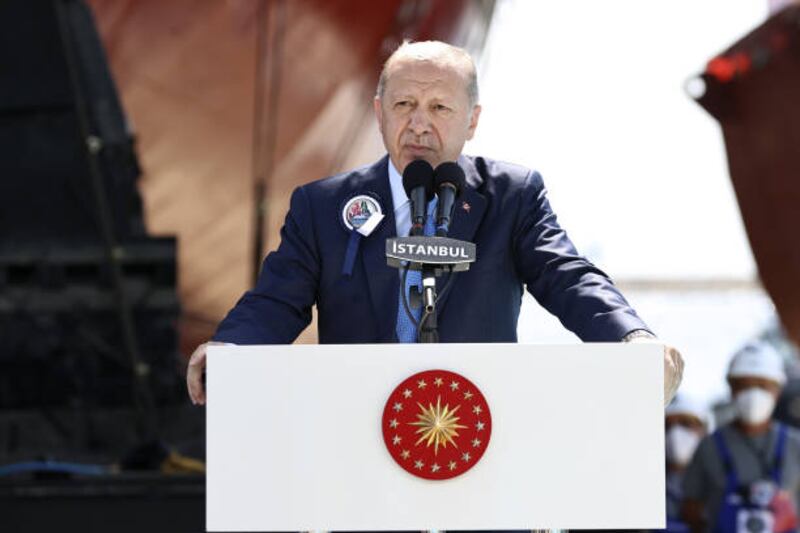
x: 758, y: 359
x: 683, y: 404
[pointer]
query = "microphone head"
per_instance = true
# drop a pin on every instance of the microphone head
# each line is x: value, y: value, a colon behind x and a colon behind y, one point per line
x: 419, y: 173
x: 450, y: 172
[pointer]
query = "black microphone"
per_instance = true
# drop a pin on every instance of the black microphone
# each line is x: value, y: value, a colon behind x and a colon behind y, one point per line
x: 418, y: 183
x: 450, y: 181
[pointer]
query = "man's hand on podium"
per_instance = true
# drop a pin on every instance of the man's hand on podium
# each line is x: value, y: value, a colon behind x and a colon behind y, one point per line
x: 673, y: 372
x: 194, y: 373
x: 673, y: 364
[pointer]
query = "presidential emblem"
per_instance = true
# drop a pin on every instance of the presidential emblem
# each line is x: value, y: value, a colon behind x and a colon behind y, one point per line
x: 436, y: 424
x: 358, y: 210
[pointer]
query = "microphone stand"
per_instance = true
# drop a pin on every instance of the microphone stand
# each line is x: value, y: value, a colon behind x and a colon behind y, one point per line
x: 428, y: 329
x: 432, y: 256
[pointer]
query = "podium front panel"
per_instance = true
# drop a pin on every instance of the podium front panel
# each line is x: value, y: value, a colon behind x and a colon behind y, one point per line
x: 295, y: 440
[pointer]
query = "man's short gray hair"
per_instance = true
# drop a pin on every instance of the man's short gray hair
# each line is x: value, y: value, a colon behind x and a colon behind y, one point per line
x: 439, y: 52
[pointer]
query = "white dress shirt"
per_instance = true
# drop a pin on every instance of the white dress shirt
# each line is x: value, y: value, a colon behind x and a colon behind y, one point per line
x: 400, y: 201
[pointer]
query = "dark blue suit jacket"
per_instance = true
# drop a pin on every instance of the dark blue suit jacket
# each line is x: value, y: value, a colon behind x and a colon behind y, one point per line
x: 519, y: 244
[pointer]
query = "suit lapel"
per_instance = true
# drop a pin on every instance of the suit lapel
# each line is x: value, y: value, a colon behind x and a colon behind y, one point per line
x: 383, y: 281
x: 471, y: 205
x: 469, y: 211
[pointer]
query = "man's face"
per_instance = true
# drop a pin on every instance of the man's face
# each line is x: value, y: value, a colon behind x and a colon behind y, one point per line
x: 682, y: 433
x: 754, y: 398
x: 424, y: 113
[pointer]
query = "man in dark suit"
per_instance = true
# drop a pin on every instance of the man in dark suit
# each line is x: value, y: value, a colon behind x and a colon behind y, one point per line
x: 427, y: 108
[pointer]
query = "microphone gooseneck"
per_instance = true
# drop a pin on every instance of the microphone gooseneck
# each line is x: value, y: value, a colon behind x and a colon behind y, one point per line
x: 418, y: 183
x: 449, y: 181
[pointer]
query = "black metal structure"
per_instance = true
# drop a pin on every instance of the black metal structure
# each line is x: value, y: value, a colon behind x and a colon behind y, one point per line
x: 88, y: 304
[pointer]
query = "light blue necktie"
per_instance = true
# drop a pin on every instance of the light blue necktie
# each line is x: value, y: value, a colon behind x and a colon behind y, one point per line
x: 406, y: 330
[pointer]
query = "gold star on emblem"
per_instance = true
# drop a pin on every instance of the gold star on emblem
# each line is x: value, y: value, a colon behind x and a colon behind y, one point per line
x: 398, y: 407
x: 396, y: 440
x: 477, y: 410
x: 438, y: 382
x: 407, y: 394
x: 452, y: 465
x: 418, y: 464
x: 435, y: 467
x: 479, y: 426
x: 421, y: 384
x: 393, y: 423
x: 405, y: 454
x: 476, y: 443
x: 454, y: 385
x: 467, y: 395
x: 466, y: 457
x: 437, y: 425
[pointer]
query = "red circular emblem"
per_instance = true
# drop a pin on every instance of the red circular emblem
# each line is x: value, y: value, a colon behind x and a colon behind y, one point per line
x: 436, y: 424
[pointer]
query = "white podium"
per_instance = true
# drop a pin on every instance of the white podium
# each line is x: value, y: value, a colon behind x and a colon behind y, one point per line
x: 295, y: 442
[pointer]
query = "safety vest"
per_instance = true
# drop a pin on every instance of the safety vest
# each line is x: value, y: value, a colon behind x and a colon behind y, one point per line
x: 760, y: 507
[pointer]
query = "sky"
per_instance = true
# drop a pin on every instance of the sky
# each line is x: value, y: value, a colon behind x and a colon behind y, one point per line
x: 591, y: 94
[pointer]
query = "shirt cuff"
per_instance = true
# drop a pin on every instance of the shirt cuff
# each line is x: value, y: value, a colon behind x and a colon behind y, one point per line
x: 638, y: 333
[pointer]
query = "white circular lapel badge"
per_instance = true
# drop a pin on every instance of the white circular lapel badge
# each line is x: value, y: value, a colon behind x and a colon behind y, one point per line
x: 358, y: 210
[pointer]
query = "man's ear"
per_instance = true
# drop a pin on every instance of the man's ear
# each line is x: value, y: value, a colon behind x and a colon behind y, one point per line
x: 376, y: 106
x: 473, y: 121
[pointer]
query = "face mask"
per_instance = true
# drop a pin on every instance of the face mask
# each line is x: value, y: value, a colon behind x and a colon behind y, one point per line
x: 681, y: 443
x: 754, y: 405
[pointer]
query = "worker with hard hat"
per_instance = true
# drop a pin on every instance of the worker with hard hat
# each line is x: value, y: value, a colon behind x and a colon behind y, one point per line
x: 745, y: 477
x: 686, y: 422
